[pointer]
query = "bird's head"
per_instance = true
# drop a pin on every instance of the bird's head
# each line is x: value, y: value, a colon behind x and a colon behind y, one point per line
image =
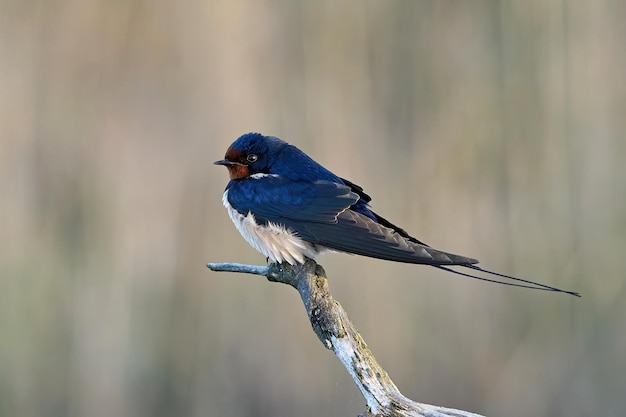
x: 252, y: 153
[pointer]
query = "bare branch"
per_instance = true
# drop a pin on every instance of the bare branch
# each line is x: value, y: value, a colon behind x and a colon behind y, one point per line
x: 335, y: 330
x: 243, y: 268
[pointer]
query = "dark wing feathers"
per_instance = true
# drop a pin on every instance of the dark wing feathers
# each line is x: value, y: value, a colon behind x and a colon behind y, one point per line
x: 358, y: 234
x: 364, y: 209
x: 277, y: 200
x: 329, y: 214
x: 358, y: 190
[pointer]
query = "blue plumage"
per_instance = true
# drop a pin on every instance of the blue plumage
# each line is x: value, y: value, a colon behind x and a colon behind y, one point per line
x: 289, y: 208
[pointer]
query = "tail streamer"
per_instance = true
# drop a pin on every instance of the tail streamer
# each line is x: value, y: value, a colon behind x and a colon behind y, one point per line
x: 526, y: 284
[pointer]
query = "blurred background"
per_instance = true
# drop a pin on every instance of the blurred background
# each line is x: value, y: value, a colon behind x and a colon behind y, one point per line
x: 490, y: 129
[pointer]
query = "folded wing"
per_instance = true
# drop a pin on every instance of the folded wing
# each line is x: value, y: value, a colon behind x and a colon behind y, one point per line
x: 321, y: 213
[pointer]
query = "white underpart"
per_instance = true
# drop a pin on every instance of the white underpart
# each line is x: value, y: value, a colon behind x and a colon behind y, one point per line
x: 260, y: 175
x: 272, y: 240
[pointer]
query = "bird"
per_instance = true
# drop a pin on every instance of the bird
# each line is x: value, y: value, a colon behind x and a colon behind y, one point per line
x: 290, y: 208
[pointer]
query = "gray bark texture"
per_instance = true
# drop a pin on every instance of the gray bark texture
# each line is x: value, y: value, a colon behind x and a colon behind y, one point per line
x: 337, y: 333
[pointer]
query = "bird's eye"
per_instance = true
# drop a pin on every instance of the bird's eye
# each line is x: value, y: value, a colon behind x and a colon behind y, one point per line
x: 252, y: 158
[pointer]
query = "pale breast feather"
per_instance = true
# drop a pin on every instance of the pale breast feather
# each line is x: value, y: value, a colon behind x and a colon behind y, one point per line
x: 272, y: 240
x: 260, y: 175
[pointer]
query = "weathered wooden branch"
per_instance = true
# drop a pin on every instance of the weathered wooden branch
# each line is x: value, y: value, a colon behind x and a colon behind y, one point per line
x: 335, y: 330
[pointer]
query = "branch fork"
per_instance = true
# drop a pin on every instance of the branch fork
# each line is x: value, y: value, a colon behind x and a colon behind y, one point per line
x: 334, y: 329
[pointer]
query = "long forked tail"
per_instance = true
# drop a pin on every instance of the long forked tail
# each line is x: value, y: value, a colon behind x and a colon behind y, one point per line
x: 525, y: 283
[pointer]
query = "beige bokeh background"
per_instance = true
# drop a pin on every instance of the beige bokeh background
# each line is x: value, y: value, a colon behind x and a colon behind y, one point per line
x: 490, y: 129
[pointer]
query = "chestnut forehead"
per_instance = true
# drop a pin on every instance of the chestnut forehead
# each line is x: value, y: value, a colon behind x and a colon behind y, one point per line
x: 233, y: 154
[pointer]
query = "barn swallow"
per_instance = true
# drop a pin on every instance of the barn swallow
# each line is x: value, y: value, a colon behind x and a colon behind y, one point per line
x: 289, y: 207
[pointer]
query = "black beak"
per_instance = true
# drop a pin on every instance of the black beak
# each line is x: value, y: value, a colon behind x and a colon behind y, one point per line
x: 225, y: 162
